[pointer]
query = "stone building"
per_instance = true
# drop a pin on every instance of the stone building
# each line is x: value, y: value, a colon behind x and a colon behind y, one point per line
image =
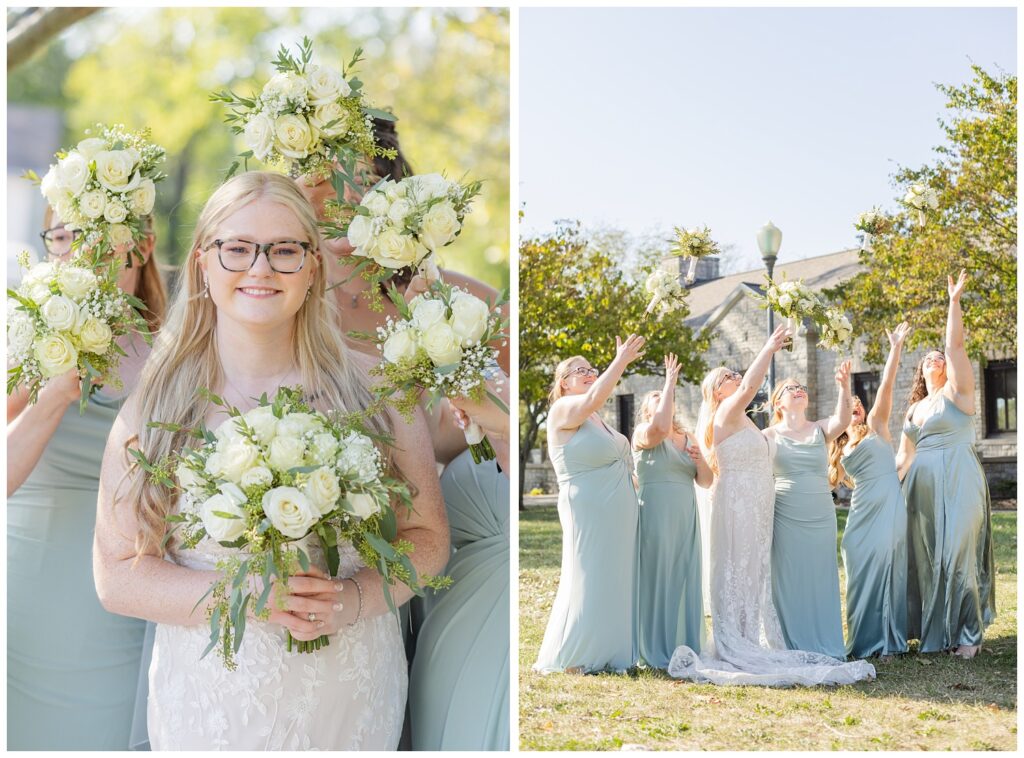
x: 724, y: 305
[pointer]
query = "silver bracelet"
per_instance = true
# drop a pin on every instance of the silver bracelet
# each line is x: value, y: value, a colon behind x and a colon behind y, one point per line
x: 359, y: 588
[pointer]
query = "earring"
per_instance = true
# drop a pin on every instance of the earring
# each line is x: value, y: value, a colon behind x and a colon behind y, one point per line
x: 206, y: 290
x: 308, y: 290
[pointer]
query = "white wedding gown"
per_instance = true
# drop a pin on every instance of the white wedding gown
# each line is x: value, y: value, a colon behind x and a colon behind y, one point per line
x: 746, y: 645
x: 349, y: 695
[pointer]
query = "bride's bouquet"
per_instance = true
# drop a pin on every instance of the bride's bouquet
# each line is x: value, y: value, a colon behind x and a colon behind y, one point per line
x: 835, y: 329
x: 401, y: 224
x: 694, y: 244
x: 441, y: 344
x: 307, y: 117
x: 269, y: 481
x: 105, y: 186
x: 921, y: 198
x: 63, y: 316
x: 870, y: 224
x: 793, y: 300
x: 665, y: 291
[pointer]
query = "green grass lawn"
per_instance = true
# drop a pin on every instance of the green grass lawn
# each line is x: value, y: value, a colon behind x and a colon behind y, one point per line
x: 918, y: 702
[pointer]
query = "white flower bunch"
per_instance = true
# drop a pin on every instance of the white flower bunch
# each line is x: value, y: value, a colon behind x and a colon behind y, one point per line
x: 665, y: 291
x: 921, y: 198
x: 791, y: 299
x: 105, y: 185
x: 695, y: 243
x: 835, y: 329
x: 306, y: 117
x: 63, y: 316
x: 266, y: 482
x: 870, y: 224
x: 442, y: 343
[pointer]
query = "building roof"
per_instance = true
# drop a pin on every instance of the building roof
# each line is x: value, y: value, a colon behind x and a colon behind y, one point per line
x: 818, y: 273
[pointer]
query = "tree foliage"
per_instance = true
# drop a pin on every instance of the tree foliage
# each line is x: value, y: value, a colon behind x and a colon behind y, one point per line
x: 975, y: 227
x: 574, y: 299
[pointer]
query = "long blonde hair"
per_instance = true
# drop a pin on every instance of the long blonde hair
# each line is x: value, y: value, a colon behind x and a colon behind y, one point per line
x: 561, y: 371
x: 776, y: 398
x: 705, y: 429
x: 185, y: 355
x: 643, y: 415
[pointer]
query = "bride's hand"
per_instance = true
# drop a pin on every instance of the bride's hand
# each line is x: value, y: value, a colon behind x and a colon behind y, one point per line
x: 334, y: 604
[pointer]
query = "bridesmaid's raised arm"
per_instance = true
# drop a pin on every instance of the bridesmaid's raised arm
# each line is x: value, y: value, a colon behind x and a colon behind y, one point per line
x: 30, y: 426
x: 653, y: 433
x: 959, y: 372
x: 881, y: 410
x: 836, y: 424
x: 570, y: 411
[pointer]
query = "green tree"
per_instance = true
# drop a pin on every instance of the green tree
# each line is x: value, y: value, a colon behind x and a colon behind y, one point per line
x: 574, y: 299
x: 975, y: 227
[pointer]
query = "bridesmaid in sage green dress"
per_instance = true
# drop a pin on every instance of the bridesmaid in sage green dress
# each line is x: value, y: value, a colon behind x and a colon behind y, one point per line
x: 805, y: 573
x: 72, y: 667
x: 670, y: 607
x: 951, y: 584
x: 592, y: 622
x: 459, y: 682
x: 874, y: 543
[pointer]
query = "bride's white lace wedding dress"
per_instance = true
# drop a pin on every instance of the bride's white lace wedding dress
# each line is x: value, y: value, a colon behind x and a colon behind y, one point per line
x: 746, y: 645
x: 349, y: 695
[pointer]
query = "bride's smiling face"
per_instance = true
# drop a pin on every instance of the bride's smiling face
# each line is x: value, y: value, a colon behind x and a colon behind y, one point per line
x: 727, y: 384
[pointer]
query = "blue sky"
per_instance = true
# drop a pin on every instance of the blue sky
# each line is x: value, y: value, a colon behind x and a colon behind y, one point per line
x: 642, y: 119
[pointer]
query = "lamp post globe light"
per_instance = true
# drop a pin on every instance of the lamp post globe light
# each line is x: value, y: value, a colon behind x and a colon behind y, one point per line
x: 769, y: 240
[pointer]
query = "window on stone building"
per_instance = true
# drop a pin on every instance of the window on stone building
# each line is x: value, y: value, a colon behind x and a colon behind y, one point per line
x: 865, y: 386
x: 627, y: 408
x: 1001, y: 397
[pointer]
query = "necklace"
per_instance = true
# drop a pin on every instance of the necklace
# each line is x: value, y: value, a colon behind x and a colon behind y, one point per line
x: 242, y: 396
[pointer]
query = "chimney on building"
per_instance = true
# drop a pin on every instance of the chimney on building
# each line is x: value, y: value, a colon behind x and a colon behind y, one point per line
x: 707, y: 268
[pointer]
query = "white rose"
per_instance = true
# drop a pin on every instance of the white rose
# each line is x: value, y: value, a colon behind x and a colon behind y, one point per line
x: 95, y: 336
x: 286, y: 453
x: 120, y: 234
x: 426, y: 312
x: 21, y: 331
x: 286, y: 85
x: 56, y: 355
x: 785, y: 301
x: 359, y: 231
x: 293, y: 137
x: 324, y: 447
x: 72, y: 173
x: 395, y: 250
x: 263, y: 422
x: 442, y: 345
x: 114, y: 170
x: 115, y: 212
x: 259, y: 135
x: 76, y: 282
x: 92, y: 204
x: 50, y: 187
x: 219, y: 528
x: 377, y: 203
x: 37, y: 292
x: 429, y: 186
x: 400, y: 345
x: 89, y: 147
x: 393, y: 190
x: 189, y: 480
x: 59, y: 313
x: 289, y: 511
x: 298, y: 425
x: 213, y: 465
x: 144, y: 198
x: 359, y: 457
x: 439, y: 227
x: 469, y: 317
x: 361, y: 505
x: 257, y: 476
x: 325, y: 84
x: 323, y: 490
x: 238, y: 455
x: 400, y: 208
x: 327, y: 113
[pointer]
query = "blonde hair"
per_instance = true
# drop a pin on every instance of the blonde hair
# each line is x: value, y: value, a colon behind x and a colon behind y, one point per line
x: 776, y: 398
x: 643, y: 416
x: 705, y: 429
x: 561, y: 371
x: 856, y: 433
x: 185, y: 355
x: 150, y: 288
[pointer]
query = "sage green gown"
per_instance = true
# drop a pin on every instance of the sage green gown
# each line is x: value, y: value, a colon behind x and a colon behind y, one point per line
x: 875, y: 552
x: 951, y: 571
x: 72, y: 667
x: 805, y: 571
x: 669, y: 600
x: 592, y: 622
x: 459, y: 683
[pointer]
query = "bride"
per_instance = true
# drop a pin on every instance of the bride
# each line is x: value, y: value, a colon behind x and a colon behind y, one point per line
x: 746, y: 645
x: 250, y: 316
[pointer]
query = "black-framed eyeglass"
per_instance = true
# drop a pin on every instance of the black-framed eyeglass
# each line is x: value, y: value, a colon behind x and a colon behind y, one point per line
x: 284, y: 257
x: 584, y: 371
x: 57, y: 240
x: 795, y: 388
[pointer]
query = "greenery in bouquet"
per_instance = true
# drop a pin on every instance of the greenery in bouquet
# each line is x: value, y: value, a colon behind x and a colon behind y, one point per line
x: 835, y: 329
x: 871, y: 224
x: 921, y: 199
x: 441, y: 344
x: 308, y: 118
x: 399, y: 225
x: 64, y: 316
x: 694, y: 244
x: 268, y: 482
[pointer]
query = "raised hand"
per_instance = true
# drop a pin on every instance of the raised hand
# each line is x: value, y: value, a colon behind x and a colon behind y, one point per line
x: 631, y: 349
x: 671, y: 367
x: 778, y: 338
x: 956, y: 289
x: 898, y: 335
x: 843, y: 375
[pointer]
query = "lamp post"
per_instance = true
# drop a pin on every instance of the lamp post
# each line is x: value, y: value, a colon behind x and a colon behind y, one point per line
x: 769, y: 240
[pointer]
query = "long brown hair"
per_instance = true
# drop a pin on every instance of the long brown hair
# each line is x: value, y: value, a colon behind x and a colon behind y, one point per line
x: 836, y: 473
